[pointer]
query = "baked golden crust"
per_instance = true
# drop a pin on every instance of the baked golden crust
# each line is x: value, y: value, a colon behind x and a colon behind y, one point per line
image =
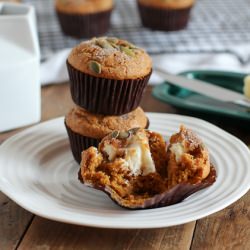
x: 83, y: 6
x: 168, y: 4
x: 97, y: 126
x: 110, y: 58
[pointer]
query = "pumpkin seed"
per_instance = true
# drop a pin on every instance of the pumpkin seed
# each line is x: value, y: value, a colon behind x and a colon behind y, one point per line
x: 132, y: 46
x: 124, y: 135
x: 95, y: 67
x: 127, y: 51
x: 103, y: 44
x: 113, y: 40
x: 115, y: 134
x: 115, y: 46
x: 133, y: 130
x: 128, y: 44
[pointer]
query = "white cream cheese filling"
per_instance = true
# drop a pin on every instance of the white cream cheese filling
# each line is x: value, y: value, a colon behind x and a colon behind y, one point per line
x: 111, y: 151
x: 178, y: 150
x: 137, y: 154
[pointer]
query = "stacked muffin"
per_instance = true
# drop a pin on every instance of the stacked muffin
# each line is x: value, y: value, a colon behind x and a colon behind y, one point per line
x: 107, y: 80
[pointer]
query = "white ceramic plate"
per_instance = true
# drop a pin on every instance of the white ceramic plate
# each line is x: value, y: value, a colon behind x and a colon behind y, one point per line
x: 38, y: 172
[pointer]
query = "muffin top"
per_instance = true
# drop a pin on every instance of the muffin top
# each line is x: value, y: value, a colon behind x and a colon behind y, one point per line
x: 111, y: 58
x: 98, y: 126
x: 83, y: 6
x: 169, y: 4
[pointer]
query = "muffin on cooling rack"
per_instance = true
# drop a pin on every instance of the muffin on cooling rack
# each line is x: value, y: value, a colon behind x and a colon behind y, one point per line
x: 108, y: 75
x: 84, y: 18
x: 166, y: 15
x: 86, y: 129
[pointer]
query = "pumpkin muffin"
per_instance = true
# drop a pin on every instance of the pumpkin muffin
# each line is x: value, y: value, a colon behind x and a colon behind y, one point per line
x: 138, y: 170
x: 108, y: 75
x: 166, y: 15
x: 86, y: 129
x: 84, y: 18
x: 188, y: 158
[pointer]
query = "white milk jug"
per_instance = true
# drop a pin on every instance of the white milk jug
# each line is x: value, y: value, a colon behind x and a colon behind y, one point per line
x: 20, y: 97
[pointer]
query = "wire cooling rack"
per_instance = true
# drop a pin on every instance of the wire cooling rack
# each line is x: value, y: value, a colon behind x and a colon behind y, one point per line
x: 215, y: 26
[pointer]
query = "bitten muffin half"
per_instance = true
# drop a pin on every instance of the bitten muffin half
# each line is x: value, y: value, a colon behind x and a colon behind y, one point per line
x: 138, y: 170
x: 108, y: 75
x: 84, y: 18
x: 86, y: 129
x: 166, y: 15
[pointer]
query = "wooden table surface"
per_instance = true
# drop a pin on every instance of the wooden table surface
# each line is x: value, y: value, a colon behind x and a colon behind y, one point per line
x: 227, y: 229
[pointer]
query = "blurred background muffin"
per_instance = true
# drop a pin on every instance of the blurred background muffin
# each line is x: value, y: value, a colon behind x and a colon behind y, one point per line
x: 108, y: 75
x: 166, y: 15
x: 86, y: 129
x: 84, y: 18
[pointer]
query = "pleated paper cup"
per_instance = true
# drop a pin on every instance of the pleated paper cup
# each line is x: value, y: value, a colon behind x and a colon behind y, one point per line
x: 78, y: 143
x: 164, y: 19
x: 105, y: 96
x: 86, y: 25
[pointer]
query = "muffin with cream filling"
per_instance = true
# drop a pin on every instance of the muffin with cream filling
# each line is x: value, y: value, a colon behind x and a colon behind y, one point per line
x: 188, y: 158
x: 86, y: 129
x: 135, y: 169
x: 84, y: 18
x: 108, y: 75
x: 166, y: 15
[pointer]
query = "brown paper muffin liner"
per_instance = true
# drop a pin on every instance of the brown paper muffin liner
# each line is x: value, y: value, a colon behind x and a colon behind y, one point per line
x: 164, y: 19
x: 85, y: 26
x: 105, y: 96
x: 78, y: 142
x: 172, y: 196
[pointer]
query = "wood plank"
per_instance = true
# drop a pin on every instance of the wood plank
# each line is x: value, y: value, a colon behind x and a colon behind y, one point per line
x: 56, y: 101
x: 44, y: 234
x: 5, y: 135
x: 150, y: 104
x: 13, y: 220
x: 227, y: 229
